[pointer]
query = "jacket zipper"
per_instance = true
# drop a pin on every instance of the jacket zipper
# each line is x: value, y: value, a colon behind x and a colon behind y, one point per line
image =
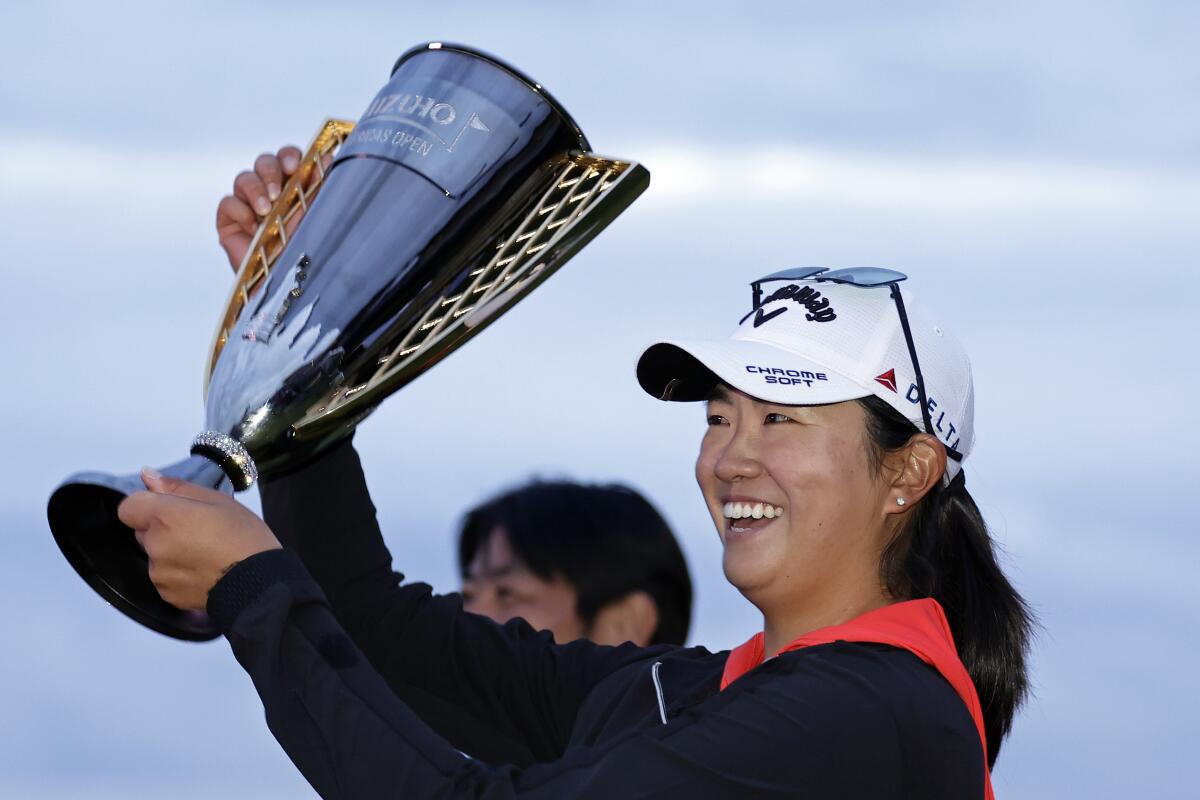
x: 658, y: 692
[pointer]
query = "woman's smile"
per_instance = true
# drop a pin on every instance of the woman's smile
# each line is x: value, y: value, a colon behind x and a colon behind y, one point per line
x: 744, y: 515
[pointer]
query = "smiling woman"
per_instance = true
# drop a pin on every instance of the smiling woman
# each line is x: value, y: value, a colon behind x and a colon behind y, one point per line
x: 819, y: 558
x: 892, y: 654
x: 869, y: 506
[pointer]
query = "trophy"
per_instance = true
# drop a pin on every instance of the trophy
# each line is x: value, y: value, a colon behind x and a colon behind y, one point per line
x: 462, y: 187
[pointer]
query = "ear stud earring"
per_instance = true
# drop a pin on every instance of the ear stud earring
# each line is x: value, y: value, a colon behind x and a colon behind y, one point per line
x: 900, y: 501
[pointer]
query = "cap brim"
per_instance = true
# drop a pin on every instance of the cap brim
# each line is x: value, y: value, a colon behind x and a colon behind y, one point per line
x: 689, y: 370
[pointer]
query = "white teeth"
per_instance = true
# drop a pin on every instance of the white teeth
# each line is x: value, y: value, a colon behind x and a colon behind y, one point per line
x: 747, y: 510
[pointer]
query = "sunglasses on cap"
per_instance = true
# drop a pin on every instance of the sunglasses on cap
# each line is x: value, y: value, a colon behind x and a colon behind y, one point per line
x: 864, y: 278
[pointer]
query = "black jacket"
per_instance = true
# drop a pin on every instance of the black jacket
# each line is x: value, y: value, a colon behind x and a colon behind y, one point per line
x: 374, y: 687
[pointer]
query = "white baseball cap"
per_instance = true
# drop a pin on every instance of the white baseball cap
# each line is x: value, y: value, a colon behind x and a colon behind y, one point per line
x: 815, y: 336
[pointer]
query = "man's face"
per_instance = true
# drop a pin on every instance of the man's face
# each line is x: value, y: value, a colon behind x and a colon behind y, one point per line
x: 501, y: 586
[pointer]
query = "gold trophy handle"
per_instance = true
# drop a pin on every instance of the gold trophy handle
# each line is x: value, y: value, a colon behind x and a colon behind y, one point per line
x: 271, y: 237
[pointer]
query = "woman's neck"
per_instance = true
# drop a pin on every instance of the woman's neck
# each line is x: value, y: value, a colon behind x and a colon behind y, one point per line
x: 782, y: 627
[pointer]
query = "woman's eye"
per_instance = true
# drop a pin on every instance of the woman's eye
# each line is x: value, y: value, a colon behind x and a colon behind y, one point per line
x: 716, y: 419
x: 775, y: 417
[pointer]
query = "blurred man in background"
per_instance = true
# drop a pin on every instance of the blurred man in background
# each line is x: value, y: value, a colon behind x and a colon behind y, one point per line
x: 579, y: 561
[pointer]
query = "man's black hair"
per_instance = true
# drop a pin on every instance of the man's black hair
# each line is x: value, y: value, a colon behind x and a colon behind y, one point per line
x: 607, y: 541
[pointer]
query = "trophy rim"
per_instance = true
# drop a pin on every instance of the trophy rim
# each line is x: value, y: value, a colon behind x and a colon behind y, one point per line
x: 496, y: 61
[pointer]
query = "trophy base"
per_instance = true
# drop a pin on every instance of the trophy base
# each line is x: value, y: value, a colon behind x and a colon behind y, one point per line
x: 83, y: 517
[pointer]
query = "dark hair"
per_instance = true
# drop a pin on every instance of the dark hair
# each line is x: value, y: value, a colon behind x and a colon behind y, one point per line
x: 607, y: 541
x: 945, y: 552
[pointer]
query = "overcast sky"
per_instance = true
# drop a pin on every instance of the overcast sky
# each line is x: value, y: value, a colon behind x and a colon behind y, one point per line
x: 1034, y: 166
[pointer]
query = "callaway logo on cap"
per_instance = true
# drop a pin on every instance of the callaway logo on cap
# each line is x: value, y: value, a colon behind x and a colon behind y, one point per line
x: 814, y: 336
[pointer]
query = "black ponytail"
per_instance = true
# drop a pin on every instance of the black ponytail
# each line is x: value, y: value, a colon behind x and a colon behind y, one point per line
x: 945, y: 552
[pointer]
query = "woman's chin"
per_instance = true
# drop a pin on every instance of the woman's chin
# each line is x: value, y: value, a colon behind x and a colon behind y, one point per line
x: 748, y: 571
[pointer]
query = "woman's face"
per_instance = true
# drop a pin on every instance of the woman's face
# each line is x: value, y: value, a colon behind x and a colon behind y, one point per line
x: 796, y: 502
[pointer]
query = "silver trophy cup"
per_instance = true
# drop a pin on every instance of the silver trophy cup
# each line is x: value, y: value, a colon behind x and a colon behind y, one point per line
x: 460, y: 189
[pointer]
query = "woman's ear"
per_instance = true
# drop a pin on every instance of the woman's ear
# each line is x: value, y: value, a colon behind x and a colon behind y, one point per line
x: 633, y: 618
x: 914, y: 469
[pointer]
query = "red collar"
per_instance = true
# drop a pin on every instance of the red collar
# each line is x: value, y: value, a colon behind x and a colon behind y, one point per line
x: 918, y: 626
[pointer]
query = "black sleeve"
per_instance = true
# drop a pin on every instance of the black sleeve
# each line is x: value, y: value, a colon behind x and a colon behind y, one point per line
x: 819, y: 734
x: 505, y: 694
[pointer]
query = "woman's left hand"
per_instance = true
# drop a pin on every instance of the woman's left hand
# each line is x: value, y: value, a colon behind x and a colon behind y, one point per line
x: 192, y: 536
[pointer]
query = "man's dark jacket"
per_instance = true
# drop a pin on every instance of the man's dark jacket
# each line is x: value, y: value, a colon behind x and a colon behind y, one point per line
x: 376, y: 689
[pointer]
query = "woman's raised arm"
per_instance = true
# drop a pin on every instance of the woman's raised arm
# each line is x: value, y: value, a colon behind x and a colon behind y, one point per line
x: 504, y: 693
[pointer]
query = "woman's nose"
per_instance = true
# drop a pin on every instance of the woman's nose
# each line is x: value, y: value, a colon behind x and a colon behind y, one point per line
x: 738, y: 459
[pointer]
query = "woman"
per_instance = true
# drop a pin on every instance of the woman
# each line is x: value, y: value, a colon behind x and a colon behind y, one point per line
x: 838, y: 419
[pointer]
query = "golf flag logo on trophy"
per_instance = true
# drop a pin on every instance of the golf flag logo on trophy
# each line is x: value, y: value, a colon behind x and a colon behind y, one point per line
x: 460, y: 189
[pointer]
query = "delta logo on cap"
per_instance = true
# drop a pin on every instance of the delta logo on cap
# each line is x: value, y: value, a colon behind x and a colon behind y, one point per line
x: 888, y: 379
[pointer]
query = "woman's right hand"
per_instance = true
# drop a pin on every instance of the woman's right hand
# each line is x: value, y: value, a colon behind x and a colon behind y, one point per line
x: 239, y: 214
